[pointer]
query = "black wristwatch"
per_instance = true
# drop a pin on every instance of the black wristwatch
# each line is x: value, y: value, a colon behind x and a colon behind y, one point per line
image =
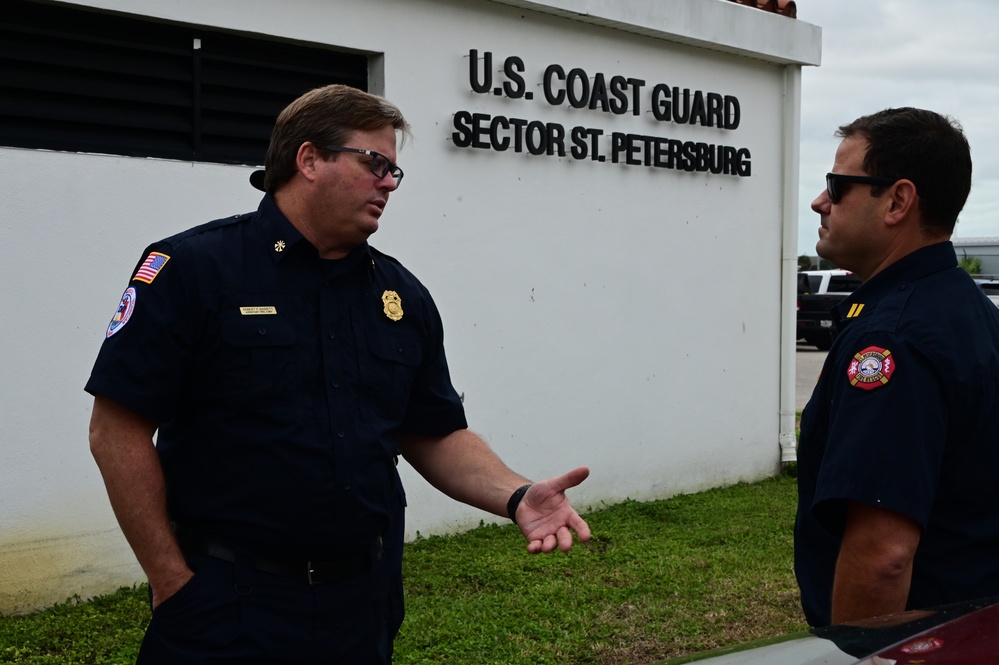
x: 511, y: 505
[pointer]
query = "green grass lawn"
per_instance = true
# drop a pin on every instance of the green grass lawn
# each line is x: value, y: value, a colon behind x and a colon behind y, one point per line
x: 658, y: 580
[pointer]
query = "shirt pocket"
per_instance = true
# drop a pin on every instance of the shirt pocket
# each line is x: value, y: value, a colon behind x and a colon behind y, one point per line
x: 388, y: 370
x: 257, y: 357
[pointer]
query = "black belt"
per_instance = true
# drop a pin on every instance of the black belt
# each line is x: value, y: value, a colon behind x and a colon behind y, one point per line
x: 313, y: 572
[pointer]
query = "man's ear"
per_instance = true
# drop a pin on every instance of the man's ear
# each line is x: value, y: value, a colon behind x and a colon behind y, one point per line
x: 903, y: 202
x: 305, y: 160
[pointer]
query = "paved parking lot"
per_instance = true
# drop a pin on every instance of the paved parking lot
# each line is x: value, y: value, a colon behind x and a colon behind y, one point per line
x: 808, y: 363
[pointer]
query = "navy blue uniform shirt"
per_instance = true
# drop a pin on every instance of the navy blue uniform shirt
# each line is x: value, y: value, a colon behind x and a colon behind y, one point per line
x: 905, y: 417
x: 280, y: 382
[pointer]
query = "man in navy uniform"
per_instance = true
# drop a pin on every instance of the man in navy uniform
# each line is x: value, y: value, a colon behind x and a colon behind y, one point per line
x: 898, y: 462
x: 286, y: 364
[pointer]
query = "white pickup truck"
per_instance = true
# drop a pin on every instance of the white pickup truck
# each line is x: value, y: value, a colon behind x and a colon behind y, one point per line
x: 818, y: 292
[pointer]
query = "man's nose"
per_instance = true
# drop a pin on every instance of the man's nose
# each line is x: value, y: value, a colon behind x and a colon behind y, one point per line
x: 821, y: 202
x: 388, y: 182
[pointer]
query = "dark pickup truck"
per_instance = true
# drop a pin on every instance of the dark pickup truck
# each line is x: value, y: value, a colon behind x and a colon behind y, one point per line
x: 818, y: 292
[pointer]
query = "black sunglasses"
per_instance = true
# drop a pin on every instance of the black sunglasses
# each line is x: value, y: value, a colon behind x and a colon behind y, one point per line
x: 379, y: 165
x: 835, y: 182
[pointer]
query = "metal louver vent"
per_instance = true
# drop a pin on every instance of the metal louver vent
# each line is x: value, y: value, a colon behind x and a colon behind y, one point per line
x: 78, y: 80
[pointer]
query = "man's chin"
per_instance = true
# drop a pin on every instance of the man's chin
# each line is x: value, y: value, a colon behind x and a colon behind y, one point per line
x: 827, y: 253
x: 822, y: 248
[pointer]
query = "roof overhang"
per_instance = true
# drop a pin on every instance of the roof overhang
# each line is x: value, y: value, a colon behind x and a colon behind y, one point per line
x: 712, y: 24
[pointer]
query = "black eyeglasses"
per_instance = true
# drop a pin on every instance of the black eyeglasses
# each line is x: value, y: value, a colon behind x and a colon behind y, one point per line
x: 379, y: 165
x: 835, y: 182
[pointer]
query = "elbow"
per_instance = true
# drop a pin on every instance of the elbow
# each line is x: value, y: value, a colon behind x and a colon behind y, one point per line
x: 98, y: 440
x: 893, y: 565
x: 114, y: 428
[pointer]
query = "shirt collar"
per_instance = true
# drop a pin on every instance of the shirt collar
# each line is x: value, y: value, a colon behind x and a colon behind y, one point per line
x: 277, y: 233
x: 281, y: 237
x: 920, y: 263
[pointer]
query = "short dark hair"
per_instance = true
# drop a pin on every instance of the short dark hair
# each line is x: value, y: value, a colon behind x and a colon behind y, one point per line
x: 325, y: 116
x: 922, y: 146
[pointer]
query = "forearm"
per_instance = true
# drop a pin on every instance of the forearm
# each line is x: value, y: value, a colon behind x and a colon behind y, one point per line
x: 122, y: 446
x: 864, y: 588
x: 464, y: 467
x: 874, y: 567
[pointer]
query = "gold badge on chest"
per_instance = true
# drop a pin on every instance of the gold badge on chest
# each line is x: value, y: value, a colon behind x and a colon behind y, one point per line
x: 393, y: 305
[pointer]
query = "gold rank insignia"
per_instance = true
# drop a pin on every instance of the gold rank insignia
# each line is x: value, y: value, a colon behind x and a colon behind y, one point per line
x: 279, y: 246
x: 393, y: 305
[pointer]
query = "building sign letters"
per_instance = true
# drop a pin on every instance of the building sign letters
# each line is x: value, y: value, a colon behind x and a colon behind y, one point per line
x: 616, y: 95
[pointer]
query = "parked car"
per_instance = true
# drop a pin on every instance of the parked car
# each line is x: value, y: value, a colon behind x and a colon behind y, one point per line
x: 991, y: 288
x: 963, y: 633
x: 818, y: 292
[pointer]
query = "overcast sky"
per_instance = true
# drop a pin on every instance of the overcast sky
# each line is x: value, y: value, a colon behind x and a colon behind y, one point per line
x: 941, y: 55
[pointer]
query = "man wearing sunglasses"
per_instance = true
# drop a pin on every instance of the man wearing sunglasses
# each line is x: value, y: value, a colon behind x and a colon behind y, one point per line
x: 286, y: 365
x: 898, y: 460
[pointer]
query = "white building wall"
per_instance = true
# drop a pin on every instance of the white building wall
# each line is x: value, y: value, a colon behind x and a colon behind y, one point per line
x: 623, y: 317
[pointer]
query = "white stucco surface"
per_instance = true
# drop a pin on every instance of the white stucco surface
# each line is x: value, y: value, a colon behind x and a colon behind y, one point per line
x: 623, y: 317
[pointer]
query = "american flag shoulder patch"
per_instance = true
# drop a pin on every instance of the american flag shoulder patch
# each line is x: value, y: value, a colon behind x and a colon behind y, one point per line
x: 150, y: 267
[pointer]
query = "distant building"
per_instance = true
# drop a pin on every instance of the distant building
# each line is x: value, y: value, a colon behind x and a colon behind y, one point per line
x: 986, y: 249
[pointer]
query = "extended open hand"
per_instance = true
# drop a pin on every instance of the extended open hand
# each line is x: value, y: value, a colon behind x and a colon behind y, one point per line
x: 545, y: 515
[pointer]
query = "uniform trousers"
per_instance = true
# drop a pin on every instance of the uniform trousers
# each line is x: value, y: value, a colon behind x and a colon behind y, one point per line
x: 233, y: 613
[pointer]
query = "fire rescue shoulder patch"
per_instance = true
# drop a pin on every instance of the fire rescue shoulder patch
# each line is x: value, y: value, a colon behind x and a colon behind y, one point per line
x: 871, y: 368
x: 123, y: 313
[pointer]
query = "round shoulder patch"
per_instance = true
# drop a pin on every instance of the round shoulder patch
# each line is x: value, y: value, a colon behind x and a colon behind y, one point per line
x: 871, y: 368
x: 124, y: 312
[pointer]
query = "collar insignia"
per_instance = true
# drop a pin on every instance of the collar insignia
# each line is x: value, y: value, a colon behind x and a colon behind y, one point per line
x: 871, y: 368
x: 393, y: 305
x: 279, y: 246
